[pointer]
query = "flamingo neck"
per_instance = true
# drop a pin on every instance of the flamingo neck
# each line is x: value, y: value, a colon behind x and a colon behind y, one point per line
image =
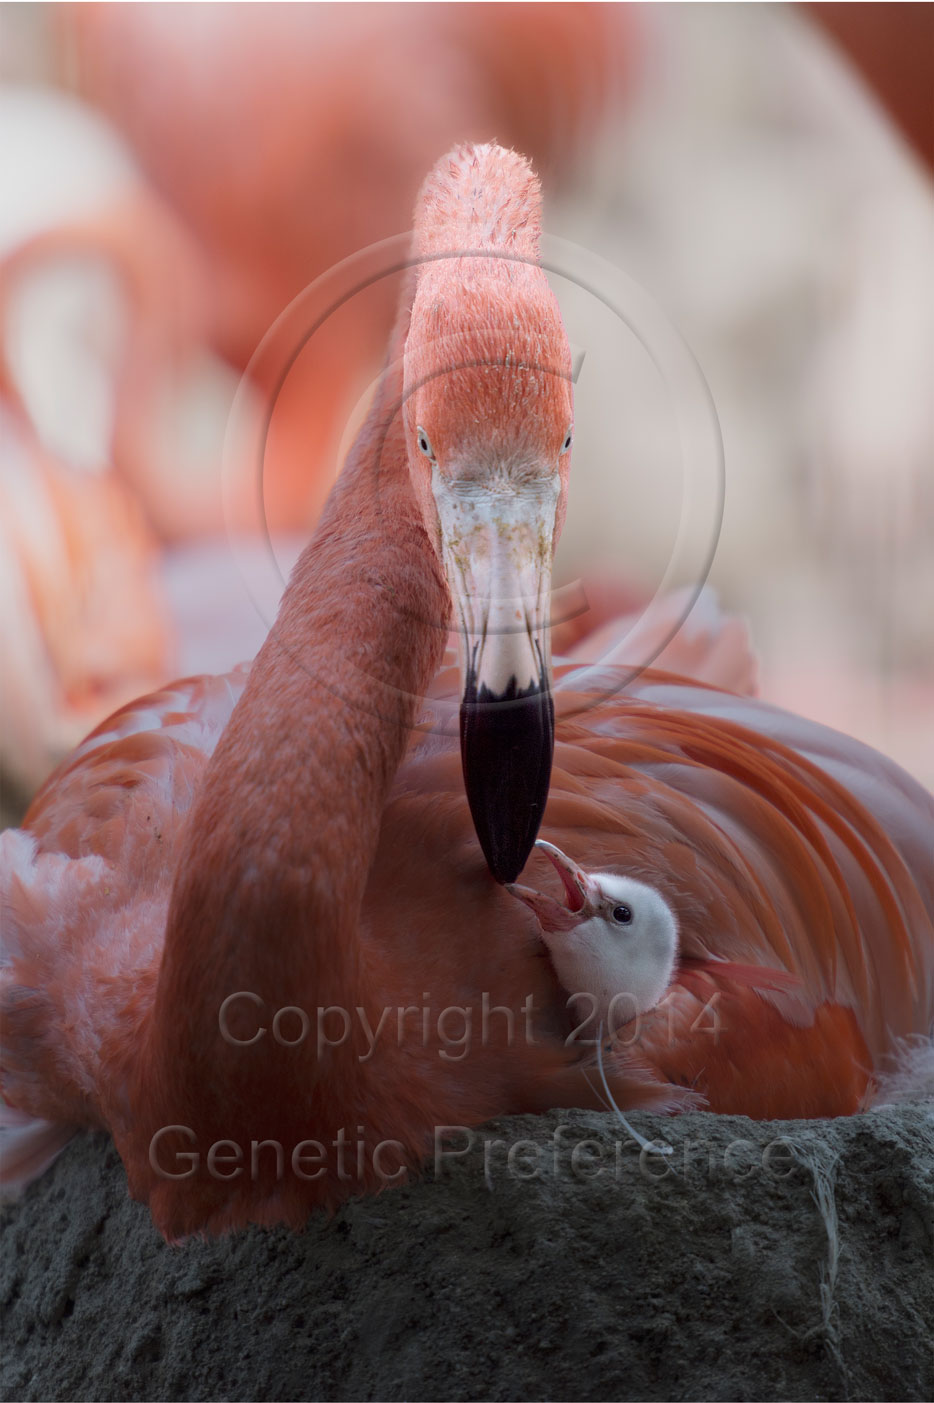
x: 282, y: 836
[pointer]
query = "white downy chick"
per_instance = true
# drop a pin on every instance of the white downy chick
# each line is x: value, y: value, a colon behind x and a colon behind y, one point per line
x: 617, y: 939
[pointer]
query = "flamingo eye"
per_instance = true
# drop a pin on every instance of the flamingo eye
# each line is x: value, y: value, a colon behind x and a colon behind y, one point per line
x: 567, y: 442
x: 423, y: 444
x: 622, y: 915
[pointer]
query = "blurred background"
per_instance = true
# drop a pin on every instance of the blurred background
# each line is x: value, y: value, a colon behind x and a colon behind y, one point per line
x: 173, y: 175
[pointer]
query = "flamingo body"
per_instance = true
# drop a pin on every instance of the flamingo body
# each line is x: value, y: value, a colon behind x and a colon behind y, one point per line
x: 295, y: 841
x: 805, y: 943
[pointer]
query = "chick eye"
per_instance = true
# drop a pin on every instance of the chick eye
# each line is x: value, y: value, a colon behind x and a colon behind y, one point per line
x: 567, y: 442
x: 622, y: 915
x: 423, y: 444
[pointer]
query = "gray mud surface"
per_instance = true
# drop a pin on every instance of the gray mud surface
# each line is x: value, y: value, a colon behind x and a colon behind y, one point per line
x: 806, y: 1275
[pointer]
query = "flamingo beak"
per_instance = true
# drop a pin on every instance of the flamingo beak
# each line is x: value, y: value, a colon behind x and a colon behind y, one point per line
x: 497, y: 548
x: 552, y: 915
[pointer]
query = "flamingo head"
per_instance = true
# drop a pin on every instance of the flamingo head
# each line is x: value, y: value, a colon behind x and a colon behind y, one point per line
x: 487, y: 406
x: 616, y: 939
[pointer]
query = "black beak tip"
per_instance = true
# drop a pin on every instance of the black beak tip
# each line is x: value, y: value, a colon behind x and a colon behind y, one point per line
x: 507, y: 745
x: 506, y: 853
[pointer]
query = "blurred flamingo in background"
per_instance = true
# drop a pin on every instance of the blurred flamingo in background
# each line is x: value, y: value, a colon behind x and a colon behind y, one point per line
x: 83, y: 615
x: 83, y: 619
x: 104, y: 388
x: 323, y: 856
x: 287, y: 138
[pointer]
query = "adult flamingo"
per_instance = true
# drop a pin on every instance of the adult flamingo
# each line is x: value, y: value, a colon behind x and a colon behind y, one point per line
x: 161, y: 906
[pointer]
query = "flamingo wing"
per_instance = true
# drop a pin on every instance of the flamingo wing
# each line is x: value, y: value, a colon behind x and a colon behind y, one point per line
x: 781, y: 845
x: 692, y: 636
x: 84, y: 888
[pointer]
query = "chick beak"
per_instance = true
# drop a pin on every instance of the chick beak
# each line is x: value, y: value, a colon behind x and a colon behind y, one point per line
x: 552, y: 916
x: 581, y: 892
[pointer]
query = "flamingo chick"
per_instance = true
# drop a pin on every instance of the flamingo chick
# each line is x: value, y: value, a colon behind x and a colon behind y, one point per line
x: 616, y: 941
